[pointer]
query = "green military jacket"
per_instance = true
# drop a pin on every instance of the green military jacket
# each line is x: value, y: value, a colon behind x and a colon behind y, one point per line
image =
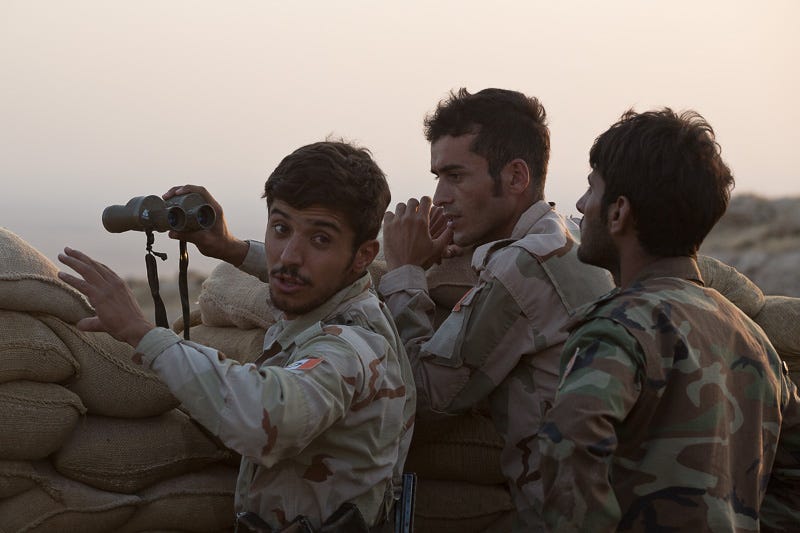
x: 674, y: 413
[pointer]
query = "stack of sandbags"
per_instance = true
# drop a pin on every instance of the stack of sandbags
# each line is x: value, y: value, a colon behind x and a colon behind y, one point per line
x: 461, y: 487
x: 91, y: 441
x: 778, y: 316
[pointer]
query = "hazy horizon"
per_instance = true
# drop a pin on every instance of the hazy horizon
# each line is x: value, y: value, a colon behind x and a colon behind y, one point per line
x: 101, y: 102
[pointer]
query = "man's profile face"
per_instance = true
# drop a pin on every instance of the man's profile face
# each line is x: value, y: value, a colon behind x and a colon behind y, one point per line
x: 309, y: 256
x: 465, y: 190
x: 596, y: 248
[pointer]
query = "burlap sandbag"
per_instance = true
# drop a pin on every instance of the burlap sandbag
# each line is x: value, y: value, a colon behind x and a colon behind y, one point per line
x: 36, y: 418
x: 451, y: 279
x: 732, y: 284
x: 230, y: 297
x: 16, y: 477
x: 29, y: 282
x: 461, y: 448
x: 128, y: 455
x: 62, y: 505
x: 244, y: 345
x: 109, y: 382
x: 197, y: 502
x: 30, y: 350
x: 780, y: 320
x: 456, y: 507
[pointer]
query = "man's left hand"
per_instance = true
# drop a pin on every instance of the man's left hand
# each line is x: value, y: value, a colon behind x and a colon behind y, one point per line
x: 117, y: 311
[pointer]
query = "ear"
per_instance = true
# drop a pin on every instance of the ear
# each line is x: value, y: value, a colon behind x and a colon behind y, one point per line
x: 517, y: 176
x: 620, y: 217
x: 365, y: 255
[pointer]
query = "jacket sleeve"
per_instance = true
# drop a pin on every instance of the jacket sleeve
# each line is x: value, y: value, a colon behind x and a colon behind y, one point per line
x: 600, y: 384
x: 780, y: 510
x: 267, y: 413
x: 473, y: 350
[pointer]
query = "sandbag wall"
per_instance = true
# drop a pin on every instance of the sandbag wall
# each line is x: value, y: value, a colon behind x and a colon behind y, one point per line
x: 91, y: 441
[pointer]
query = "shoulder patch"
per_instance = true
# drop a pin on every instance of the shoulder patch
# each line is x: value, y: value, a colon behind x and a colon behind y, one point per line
x: 304, y: 364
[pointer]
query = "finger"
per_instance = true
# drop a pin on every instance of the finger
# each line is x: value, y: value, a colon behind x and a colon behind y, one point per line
x: 400, y: 209
x: 388, y: 217
x: 425, y: 205
x: 91, y: 270
x: 91, y: 323
x: 77, y: 283
x: 413, y: 205
x: 442, y: 241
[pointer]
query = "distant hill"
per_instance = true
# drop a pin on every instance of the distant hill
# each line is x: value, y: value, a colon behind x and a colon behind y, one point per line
x: 761, y: 238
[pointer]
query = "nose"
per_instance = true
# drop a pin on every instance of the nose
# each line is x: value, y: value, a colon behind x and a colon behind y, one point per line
x: 581, y: 203
x: 442, y: 195
x: 292, y: 252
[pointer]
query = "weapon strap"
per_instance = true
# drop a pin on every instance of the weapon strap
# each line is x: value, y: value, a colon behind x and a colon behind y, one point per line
x: 183, y: 286
x: 152, y: 280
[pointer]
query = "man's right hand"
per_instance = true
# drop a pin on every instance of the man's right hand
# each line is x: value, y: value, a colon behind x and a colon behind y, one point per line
x: 216, y: 241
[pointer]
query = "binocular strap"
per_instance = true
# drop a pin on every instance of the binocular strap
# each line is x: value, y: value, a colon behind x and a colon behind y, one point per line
x: 183, y: 286
x: 152, y: 280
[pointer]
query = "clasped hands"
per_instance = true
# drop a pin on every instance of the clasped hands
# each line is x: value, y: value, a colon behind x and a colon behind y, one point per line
x: 417, y: 233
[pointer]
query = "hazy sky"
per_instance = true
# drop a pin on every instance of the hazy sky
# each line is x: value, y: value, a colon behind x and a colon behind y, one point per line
x: 101, y: 101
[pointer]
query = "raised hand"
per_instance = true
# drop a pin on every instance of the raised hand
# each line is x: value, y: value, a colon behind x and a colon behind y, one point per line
x: 215, y: 241
x: 117, y: 312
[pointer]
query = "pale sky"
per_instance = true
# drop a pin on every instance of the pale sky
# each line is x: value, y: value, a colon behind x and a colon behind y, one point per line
x: 101, y: 101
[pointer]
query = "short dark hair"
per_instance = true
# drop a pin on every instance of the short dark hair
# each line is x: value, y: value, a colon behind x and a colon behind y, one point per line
x: 508, y: 125
x: 670, y: 168
x: 335, y: 175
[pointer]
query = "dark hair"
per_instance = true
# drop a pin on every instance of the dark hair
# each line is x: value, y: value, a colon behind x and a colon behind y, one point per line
x: 334, y: 175
x: 670, y: 168
x: 508, y: 125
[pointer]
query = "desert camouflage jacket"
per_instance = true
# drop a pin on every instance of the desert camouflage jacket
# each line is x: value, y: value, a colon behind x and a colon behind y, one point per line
x: 502, y: 342
x: 669, y: 414
x: 324, y: 417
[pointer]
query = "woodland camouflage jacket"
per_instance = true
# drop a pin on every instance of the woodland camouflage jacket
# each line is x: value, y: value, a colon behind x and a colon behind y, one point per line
x: 674, y: 413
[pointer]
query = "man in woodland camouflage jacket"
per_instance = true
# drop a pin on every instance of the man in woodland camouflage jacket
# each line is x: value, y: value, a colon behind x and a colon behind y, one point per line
x: 324, y: 417
x: 501, y: 343
x: 674, y: 412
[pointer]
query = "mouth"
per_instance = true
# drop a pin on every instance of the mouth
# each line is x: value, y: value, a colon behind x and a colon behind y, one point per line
x: 286, y: 283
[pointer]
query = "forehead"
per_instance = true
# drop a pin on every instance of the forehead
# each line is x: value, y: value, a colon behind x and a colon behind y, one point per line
x: 449, y: 150
x: 313, y: 216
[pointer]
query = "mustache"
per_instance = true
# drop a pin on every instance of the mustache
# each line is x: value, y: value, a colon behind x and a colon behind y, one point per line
x: 291, y: 272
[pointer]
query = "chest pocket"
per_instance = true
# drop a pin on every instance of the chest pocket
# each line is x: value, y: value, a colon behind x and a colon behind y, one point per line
x: 445, y: 344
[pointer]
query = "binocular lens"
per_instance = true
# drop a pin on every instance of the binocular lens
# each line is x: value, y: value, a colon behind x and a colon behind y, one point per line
x: 176, y: 218
x: 206, y: 216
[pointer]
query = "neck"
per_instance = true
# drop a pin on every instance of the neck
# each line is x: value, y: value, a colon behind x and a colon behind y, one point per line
x: 631, y: 262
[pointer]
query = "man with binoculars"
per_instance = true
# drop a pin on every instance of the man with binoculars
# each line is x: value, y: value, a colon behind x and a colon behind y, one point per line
x: 323, y: 418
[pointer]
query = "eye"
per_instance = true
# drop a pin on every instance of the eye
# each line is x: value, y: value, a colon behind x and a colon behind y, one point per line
x: 321, y: 239
x: 279, y: 228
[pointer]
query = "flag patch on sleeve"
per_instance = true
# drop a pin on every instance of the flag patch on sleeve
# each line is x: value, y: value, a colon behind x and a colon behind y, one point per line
x: 305, y: 364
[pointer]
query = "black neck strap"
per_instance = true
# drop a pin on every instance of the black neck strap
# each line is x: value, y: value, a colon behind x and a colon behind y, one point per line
x: 152, y: 280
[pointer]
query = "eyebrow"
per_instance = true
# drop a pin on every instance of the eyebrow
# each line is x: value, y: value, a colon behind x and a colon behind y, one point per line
x: 319, y: 223
x: 447, y: 168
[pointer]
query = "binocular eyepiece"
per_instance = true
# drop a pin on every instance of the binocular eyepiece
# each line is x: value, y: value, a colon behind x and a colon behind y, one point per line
x: 187, y: 212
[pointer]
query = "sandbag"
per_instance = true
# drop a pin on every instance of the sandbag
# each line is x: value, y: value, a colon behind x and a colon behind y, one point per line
x: 197, y: 502
x: 451, y: 279
x: 460, y: 448
x: 243, y: 345
x: 457, y: 507
x: 29, y: 282
x: 780, y: 320
x: 230, y: 297
x: 732, y: 284
x: 36, y: 418
x: 59, y: 504
x: 29, y: 350
x: 128, y: 455
x: 109, y: 382
x: 16, y: 477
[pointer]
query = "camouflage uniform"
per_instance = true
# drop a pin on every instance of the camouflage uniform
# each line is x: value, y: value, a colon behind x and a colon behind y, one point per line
x: 502, y: 341
x: 669, y: 414
x: 323, y: 417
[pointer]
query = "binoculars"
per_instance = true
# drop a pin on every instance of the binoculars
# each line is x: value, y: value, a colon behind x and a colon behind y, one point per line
x: 187, y: 212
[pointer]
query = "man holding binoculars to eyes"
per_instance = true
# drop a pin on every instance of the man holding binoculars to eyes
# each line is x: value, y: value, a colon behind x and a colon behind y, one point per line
x: 323, y: 418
